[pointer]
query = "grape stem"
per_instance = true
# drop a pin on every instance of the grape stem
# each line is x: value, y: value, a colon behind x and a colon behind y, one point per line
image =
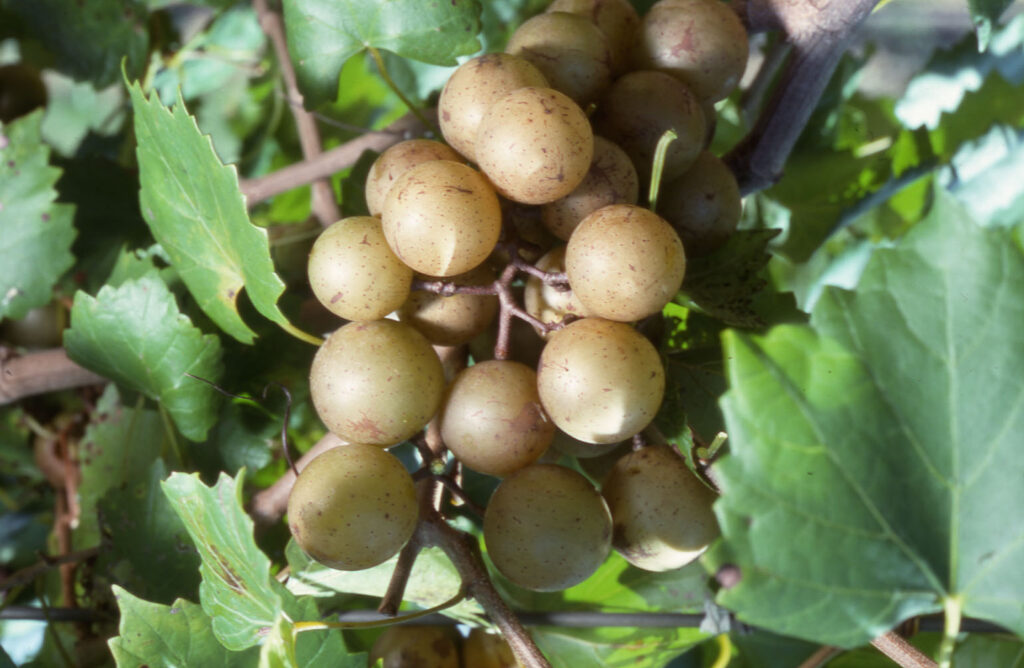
x: 902, y: 652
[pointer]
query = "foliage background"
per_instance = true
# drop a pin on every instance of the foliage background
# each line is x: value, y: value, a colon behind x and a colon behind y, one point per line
x: 886, y: 312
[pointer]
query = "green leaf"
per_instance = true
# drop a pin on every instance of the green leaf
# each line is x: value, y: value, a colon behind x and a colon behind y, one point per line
x: 74, y: 109
x: 147, y: 546
x: 870, y: 448
x: 35, y: 232
x: 196, y: 212
x: 433, y: 581
x: 237, y: 591
x: 89, y: 39
x: 136, y: 336
x: 726, y: 283
x: 985, y: 13
x: 322, y: 36
x: 162, y: 636
x: 615, y: 647
x: 118, y: 447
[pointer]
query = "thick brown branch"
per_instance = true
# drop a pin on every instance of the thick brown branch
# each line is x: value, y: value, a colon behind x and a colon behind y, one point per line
x: 324, y: 206
x: 902, y: 652
x: 42, y: 372
x: 819, y: 33
x: 327, y: 163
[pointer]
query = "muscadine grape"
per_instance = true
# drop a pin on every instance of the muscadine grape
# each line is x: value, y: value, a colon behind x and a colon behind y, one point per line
x: 442, y: 218
x: 546, y: 302
x: 661, y: 512
x: 700, y: 42
x: 703, y: 205
x: 472, y: 88
x: 639, y: 108
x: 600, y: 381
x: 376, y: 382
x: 624, y: 262
x: 354, y: 273
x: 535, y: 145
x: 353, y: 507
x: 617, y: 19
x: 397, y: 160
x: 546, y: 528
x: 492, y: 420
x: 611, y: 179
x: 455, y: 319
x: 569, y: 50
x: 481, y: 649
x: 415, y: 646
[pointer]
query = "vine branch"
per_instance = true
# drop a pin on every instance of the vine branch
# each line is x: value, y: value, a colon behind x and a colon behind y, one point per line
x: 42, y: 372
x: 324, y: 206
x: 819, y: 33
x: 902, y: 652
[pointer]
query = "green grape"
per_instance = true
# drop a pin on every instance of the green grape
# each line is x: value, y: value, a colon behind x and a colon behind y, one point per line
x: 600, y: 381
x: 442, y: 218
x: 354, y: 273
x: 376, y: 382
x: 492, y: 420
x: 703, y: 205
x: 546, y: 528
x: 455, y: 319
x: 397, y: 160
x: 472, y: 88
x: 624, y: 263
x: 353, y: 507
x: 535, y: 145
x: 569, y: 50
x: 413, y: 646
x: 661, y: 512
x: 700, y: 42
x: 611, y: 179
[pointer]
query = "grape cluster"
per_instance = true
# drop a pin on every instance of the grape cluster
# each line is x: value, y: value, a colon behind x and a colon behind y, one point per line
x: 546, y: 227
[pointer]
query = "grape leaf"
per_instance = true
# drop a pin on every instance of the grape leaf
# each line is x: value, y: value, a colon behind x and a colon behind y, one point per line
x: 433, y: 581
x: 162, y: 636
x: 147, y: 547
x: 323, y: 35
x: 614, y: 647
x: 196, y: 212
x: 119, y: 445
x: 35, y: 232
x: 90, y: 39
x: 723, y: 284
x: 984, y: 13
x: 237, y: 591
x: 135, y: 335
x: 869, y: 448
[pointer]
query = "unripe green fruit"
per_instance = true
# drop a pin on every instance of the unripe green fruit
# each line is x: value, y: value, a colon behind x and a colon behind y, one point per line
x: 353, y: 507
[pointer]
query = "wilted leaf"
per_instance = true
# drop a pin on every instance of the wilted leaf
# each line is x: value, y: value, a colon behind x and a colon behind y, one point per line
x: 35, y: 232
x: 135, y: 335
x: 870, y: 449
